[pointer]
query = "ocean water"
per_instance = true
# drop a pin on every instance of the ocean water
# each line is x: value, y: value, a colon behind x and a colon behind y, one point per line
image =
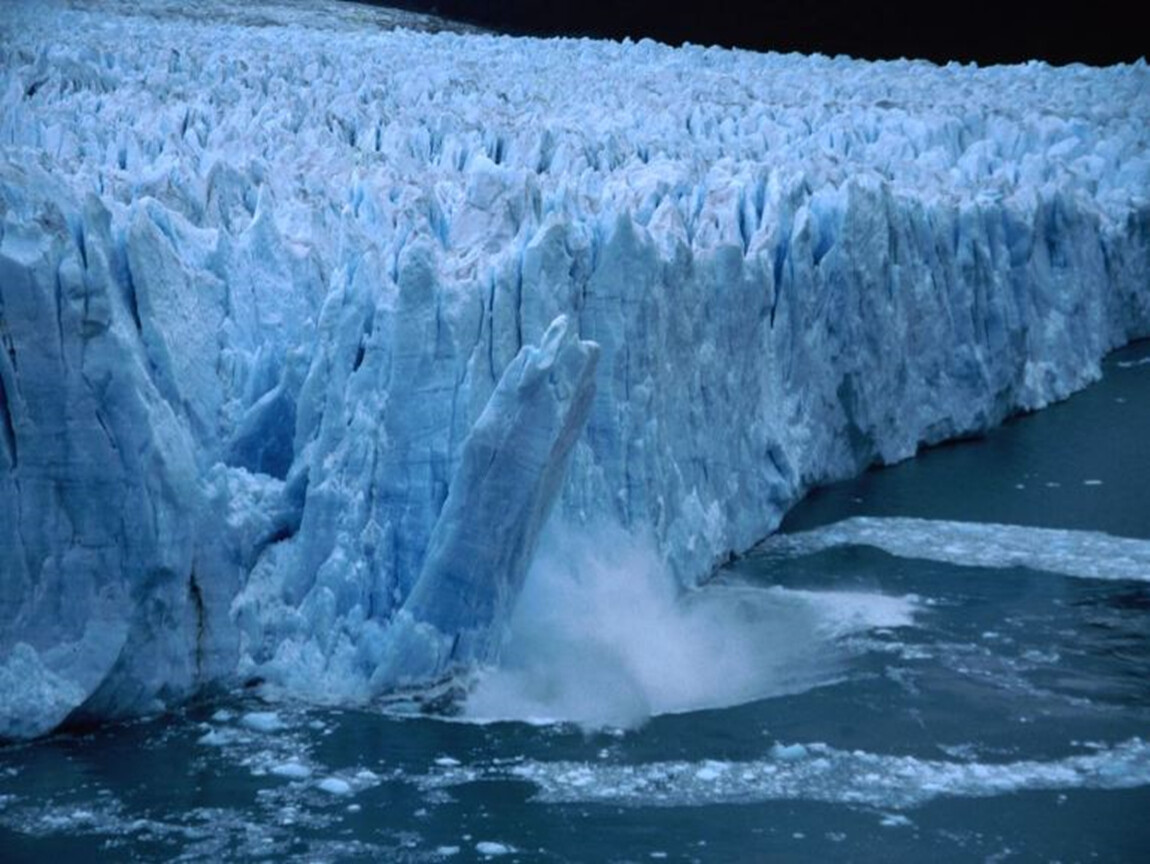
x: 858, y: 692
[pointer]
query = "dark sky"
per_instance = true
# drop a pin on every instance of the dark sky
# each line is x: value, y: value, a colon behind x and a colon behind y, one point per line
x: 1097, y: 32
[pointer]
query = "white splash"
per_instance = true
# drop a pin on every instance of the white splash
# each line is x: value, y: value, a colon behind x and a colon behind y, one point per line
x: 822, y: 773
x: 604, y: 636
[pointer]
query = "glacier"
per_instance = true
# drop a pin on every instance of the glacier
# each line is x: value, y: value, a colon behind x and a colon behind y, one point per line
x: 311, y: 326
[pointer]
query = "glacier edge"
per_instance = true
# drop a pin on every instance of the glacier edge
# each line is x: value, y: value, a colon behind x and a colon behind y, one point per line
x: 249, y: 338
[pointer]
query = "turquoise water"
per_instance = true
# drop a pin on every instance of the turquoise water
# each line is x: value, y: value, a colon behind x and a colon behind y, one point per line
x: 925, y: 710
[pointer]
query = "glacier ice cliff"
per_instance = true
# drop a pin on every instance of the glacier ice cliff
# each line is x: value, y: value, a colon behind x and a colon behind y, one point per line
x: 306, y: 325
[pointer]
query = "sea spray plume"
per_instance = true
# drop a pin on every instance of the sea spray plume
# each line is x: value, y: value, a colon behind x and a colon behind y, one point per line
x: 605, y: 635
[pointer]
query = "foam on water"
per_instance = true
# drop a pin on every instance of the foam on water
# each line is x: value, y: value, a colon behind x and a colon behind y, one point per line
x: 1081, y: 554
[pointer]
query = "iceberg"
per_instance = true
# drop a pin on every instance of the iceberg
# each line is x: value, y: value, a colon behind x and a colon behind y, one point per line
x: 308, y: 327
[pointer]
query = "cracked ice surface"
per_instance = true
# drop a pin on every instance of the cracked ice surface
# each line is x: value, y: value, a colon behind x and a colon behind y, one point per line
x: 263, y: 272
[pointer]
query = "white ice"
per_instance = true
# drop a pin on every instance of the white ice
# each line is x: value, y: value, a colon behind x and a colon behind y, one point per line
x: 334, y: 786
x: 1081, y: 554
x: 820, y: 773
x: 490, y: 849
x: 262, y: 721
x: 603, y: 636
x: 274, y: 280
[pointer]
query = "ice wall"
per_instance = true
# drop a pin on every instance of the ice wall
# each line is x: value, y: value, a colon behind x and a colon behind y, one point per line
x: 267, y: 281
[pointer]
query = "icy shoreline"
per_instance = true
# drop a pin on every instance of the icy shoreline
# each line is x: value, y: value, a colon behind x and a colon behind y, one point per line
x: 259, y: 281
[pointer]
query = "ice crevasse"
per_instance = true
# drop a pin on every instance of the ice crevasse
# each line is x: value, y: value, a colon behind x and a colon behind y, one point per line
x: 307, y: 327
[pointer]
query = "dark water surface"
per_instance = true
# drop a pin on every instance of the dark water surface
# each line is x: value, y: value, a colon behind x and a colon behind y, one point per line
x: 962, y: 713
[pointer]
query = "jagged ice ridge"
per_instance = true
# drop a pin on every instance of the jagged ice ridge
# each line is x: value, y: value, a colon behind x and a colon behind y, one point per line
x: 307, y: 326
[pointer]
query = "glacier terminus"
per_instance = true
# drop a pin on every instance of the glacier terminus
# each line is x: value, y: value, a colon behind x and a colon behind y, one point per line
x: 309, y: 330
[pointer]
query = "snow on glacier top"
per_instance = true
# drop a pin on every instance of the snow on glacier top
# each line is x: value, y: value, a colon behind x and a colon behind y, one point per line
x: 326, y: 100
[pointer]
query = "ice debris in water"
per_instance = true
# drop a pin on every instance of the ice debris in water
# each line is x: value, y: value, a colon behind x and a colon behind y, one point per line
x: 817, y: 773
x: 262, y: 721
x: 218, y: 737
x: 1082, y: 554
x: 334, y: 786
x: 261, y: 342
x: 491, y: 849
x: 292, y: 770
x: 788, y: 752
x: 895, y: 820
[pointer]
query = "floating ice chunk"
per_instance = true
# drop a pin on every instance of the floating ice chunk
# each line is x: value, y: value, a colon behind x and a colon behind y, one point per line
x: 895, y: 820
x: 334, y: 786
x: 219, y: 737
x: 788, y: 752
x: 262, y: 721
x: 826, y: 774
x: 710, y: 771
x: 292, y: 770
x: 491, y: 849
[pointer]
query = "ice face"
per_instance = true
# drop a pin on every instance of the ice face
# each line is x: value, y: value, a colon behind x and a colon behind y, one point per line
x: 258, y: 310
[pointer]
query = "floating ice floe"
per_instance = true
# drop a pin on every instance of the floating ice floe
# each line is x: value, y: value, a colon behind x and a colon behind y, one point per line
x: 1082, y: 554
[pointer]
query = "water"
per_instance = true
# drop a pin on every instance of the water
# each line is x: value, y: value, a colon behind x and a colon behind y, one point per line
x: 912, y: 707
